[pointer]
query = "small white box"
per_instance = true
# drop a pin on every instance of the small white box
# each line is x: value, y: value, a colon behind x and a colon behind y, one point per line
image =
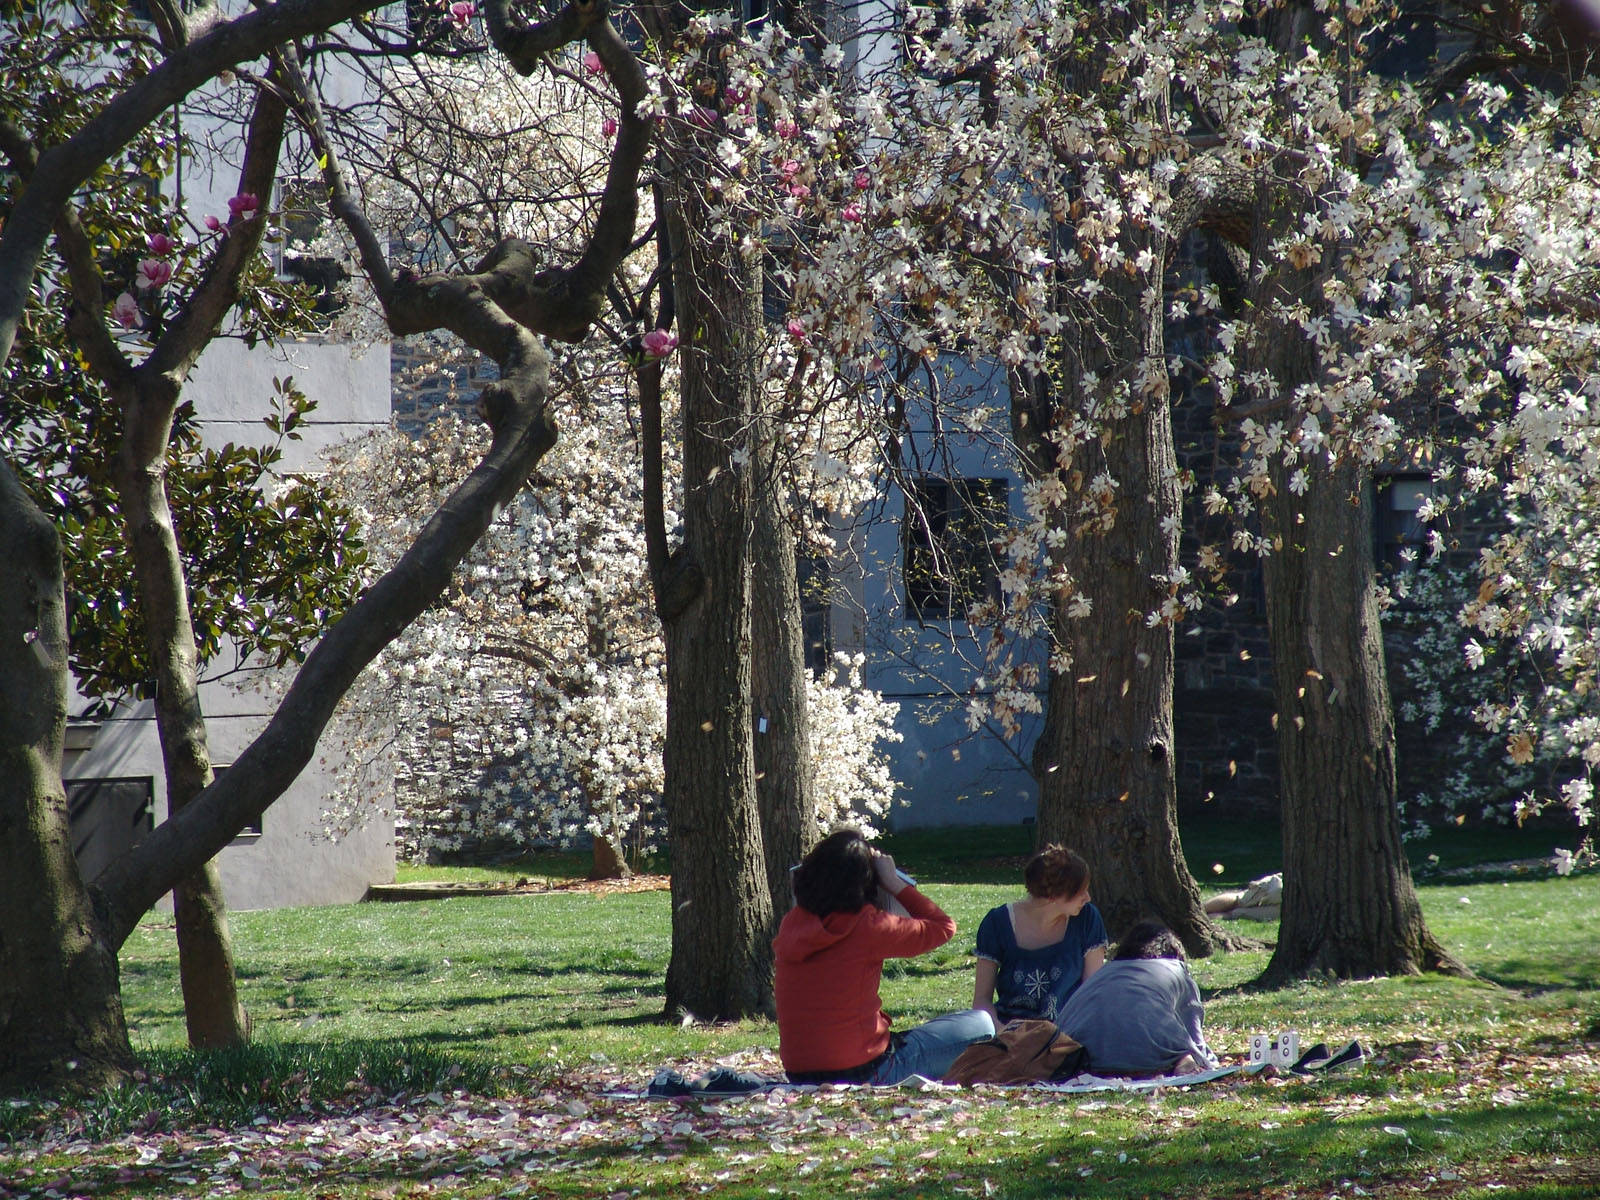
x: 1288, y: 1049
x: 1262, y: 1047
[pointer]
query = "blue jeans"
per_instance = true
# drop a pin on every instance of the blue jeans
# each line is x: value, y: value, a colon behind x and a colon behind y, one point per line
x: 928, y: 1050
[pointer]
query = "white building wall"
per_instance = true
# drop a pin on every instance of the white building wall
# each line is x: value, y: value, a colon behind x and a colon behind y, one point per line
x: 947, y: 774
x: 290, y: 862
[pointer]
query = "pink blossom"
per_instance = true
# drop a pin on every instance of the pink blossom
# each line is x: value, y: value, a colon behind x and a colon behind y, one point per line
x: 786, y: 129
x: 851, y: 212
x: 797, y: 330
x: 212, y: 223
x: 592, y: 63
x: 462, y: 12
x: 733, y: 95
x: 702, y: 117
x: 160, y: 244
x: 863, y: 181
x: 125, y: 310
x: 608, y: 127
x: 243, y: 206
x: 659, y: 343
x: 789, y: 169
x: 799, y: 191
x: 153, y: 274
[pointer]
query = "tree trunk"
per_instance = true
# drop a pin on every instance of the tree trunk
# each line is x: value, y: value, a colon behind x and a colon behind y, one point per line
x: 607, y: 861
x: 61, y: 1022
x: 784, y: 770
x: 205, y: 949
x: 721, y: 964
x: 1104, y: 758
x: 1349, y: 907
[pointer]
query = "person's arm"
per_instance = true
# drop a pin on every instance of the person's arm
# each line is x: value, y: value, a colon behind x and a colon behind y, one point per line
x: 983, y: 988
x: 1093, y: 960
x: 925, y: 926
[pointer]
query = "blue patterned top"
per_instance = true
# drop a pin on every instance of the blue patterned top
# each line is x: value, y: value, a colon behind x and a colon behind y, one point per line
x: 1036, y: 983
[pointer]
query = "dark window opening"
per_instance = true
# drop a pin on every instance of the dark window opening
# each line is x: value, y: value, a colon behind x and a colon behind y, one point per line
x: 947, y: 533
x: 1400, y: 535
x: 107, y: 818
x: 302, y: 217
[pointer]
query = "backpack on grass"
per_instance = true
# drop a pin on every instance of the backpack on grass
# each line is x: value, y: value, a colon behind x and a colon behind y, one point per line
x: 1022, y: 1051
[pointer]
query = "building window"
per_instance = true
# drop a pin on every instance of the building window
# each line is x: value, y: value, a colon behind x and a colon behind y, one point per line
x: 947, y: 534
x: 107, y: 818
x: 302, y: 207
x: 251, y: 831
x: 1401, y: 535
x: 816, y: 608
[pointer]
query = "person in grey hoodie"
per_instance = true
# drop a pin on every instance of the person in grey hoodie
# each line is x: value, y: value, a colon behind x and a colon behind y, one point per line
x: 1140, y: 1014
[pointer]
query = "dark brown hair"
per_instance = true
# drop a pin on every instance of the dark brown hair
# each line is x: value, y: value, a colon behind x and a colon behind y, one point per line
x: 1150, y: 939
x: 837, y: 876
x: 1055, y: 872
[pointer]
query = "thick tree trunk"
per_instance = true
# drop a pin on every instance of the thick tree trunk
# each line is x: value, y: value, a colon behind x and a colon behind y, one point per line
x: 1104, y: 758
x: 721, y: 964
x: 61, y: 1023
x: 607, y: 861
x: 784, y: 770
x: 1349, y: 907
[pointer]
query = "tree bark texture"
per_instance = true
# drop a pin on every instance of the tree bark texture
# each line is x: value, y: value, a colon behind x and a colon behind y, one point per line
x: 721, y: 963
x: 61, y: 1022
x: 779, y: 703
x: 1350, y: 909
x: 1104, y: 758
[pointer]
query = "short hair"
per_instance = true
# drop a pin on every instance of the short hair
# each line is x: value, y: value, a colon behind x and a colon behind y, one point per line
x: 837, y: 876
x: 1150, y: 939
x: 1055, y: 872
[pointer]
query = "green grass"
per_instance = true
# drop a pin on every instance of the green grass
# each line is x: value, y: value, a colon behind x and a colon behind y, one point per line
x: 538, y: 1002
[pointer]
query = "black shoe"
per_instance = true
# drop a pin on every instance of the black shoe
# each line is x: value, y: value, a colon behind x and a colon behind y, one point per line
x: 1313, y: 1059
x: 1353, y: 1053
x: 669, y: 1083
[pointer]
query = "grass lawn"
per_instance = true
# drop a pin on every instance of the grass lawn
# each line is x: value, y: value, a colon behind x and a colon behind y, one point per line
x: 461, y: 1046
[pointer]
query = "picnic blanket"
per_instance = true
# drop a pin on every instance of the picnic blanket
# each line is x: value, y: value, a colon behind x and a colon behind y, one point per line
x: 721, y: 1083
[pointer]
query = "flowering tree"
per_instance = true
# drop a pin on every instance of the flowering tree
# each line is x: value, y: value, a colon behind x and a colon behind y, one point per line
x: 528, y: 707
x: 72, y: 931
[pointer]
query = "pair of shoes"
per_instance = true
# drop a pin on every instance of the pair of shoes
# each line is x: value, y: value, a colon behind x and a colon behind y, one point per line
x: 1353, y: 1053
x: 1318, y: 1059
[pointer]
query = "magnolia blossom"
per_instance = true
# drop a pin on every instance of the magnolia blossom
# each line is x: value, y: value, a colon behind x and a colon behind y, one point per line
x: 213, y: 222
x: 243, y: 206
x: 160, y: 244
x: 153, y: 274
x: 462, y: 12
x: 125, y: 310
x: 592, y: 63
x: 659, y: 343
x: 608, y: 127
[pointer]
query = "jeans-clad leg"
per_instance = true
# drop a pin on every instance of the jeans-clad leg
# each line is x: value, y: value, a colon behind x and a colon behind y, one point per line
x: 928, y: 1050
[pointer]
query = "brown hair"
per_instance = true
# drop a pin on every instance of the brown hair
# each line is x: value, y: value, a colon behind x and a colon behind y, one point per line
x: 1055, y: 872
x: 1150, y: 939
x: 837, y: 876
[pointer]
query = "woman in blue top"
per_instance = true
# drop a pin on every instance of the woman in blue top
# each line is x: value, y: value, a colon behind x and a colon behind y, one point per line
x: 1033, y: 953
